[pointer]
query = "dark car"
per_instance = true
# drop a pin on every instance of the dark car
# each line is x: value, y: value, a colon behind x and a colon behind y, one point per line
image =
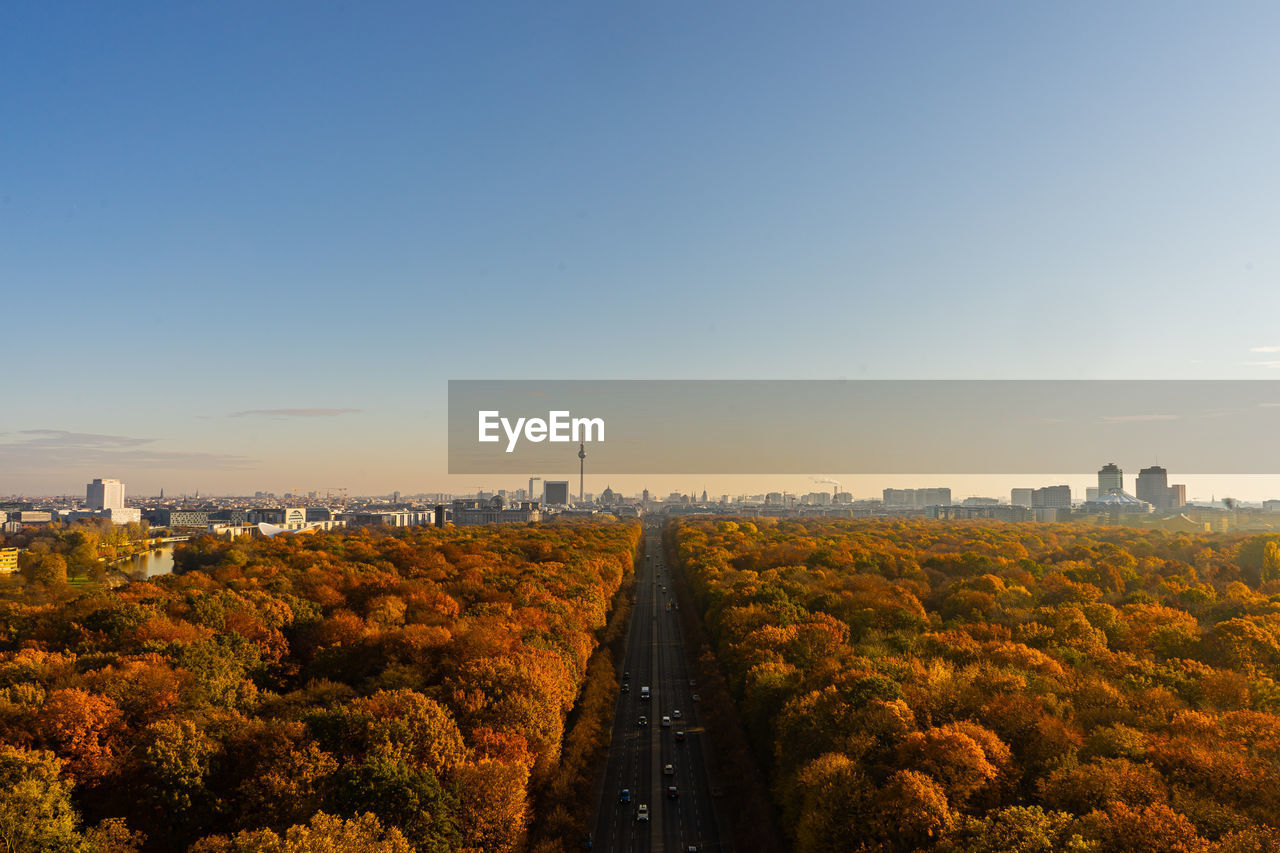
x: 643, y: 721
x: 672, y: 793
x: 624, y: 796
x: 680, y: 737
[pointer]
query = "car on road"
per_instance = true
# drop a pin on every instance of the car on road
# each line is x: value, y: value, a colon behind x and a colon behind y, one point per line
x: 626, y: 687
x: 666, y: 722
x: 643, y: 721
x: 672, y: 792
x: 668, y: 770
x: 626, y: 676
x: 680, y: 737
x: 675, y: 715
x: 697, y: 698
x: 644, y: 693
x: 624, y: 796
x: 642, y: 812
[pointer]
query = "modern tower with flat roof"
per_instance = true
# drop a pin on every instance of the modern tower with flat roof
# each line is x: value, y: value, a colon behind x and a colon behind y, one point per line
x: 105, y: 494
x: 1110, y: 479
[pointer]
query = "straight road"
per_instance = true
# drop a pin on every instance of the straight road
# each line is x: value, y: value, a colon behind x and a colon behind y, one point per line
x: 655, y: 658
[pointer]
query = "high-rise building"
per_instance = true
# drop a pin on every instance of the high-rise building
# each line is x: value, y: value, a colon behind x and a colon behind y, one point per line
x: 916, y: 498
x: 105, y: 494
x: 899, y: 497
x: 1110, y: 479
x: 1091, y: 493
x: 933, y: 497
x: 1051, y: 496
x: 1151, y: 485
x: 1021, y: 497
x: 555, y: 492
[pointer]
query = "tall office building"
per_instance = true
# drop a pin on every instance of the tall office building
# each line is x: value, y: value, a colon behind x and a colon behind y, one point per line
x: 1021, y: 497
x: 1153, y: 487
x: 105, y: 494
x: 555, y: 492
x: 1110, y: 479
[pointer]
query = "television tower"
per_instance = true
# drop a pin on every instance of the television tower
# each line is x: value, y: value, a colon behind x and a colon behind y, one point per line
x: 582, y: 467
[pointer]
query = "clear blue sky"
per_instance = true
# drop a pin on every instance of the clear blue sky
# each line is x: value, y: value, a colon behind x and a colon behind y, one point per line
x: 220, y: 208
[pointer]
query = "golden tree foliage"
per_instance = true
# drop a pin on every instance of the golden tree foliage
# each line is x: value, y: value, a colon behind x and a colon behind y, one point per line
x: 985, y: 686
x: 351, y: 690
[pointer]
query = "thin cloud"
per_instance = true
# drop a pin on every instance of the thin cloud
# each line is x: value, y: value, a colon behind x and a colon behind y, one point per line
x: 1271, y: 364
x: 44, y: 449
x: 293, y: 413
x: 1133, y: 419
x: 1274, y: 348
x: 65, y: 438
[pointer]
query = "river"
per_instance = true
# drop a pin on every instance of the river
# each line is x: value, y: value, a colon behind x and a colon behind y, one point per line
x: 150, y: 564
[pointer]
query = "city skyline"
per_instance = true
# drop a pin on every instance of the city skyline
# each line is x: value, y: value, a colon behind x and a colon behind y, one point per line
x: 1202, y: 489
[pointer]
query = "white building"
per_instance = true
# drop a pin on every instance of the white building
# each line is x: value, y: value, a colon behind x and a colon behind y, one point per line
x: 105, y: 494
x: 115, y: 514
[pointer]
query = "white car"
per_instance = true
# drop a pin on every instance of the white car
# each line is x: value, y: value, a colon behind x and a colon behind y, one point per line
x: 666, y: 722
x: 642, y: 812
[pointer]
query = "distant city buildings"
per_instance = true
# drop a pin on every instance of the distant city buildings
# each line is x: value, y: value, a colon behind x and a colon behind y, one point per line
x: 389, y: 517
x: 1051, y: 497
x: 1153, y: 487
x: 104, y: 499
x: 995, y: 512
x: 916, y: 498
x: 469, y: 512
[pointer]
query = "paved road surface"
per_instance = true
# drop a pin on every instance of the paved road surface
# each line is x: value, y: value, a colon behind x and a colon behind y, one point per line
x: 655, y: 657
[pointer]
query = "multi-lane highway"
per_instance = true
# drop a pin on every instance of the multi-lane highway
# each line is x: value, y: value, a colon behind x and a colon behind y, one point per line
x: 639, y: 755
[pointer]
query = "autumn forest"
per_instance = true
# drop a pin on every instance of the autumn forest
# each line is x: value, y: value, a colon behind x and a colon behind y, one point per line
x: 386, y: 691
x: 978, y: 687
x: 906, y: 685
